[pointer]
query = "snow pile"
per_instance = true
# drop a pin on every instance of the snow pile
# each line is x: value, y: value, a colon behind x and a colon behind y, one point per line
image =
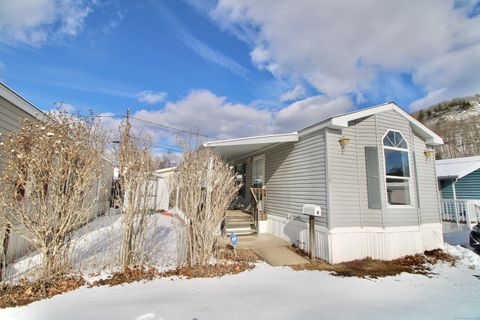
x: 466, y: 256
x: 96, y: 247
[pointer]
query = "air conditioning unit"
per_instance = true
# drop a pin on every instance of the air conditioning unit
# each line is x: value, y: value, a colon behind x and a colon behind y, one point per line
x: 312, y: 210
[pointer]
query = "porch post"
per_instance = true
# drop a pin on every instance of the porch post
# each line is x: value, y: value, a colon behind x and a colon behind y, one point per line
x: 311, y: 240
x: 455, y: 204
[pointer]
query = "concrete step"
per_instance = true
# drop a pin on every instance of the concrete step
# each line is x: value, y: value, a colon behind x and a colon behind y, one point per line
x: 230, y: 224
x: 238, y: 219
x: 240, y: 231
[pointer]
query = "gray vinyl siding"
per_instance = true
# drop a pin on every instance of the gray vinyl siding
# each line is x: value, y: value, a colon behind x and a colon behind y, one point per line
x: 466, y: 188
x: 347, y: 176
x: 428, y: 195
x: 11, y: 118
x: 295, y: 175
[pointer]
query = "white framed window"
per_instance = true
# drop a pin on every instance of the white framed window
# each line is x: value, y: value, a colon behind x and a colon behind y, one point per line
x: 397, y: 169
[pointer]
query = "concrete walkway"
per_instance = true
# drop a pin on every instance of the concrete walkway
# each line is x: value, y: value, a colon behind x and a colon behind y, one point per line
x: 273, y: 250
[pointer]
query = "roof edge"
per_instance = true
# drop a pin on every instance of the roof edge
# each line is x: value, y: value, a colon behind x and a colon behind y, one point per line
x: 13, y: 97
x: 341, y: 121
x: 272, y: 138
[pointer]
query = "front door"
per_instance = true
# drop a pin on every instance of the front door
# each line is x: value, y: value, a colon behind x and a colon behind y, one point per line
x: 258, y: 172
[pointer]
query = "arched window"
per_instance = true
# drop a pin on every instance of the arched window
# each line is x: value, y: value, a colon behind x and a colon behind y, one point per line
x: 397, y: 169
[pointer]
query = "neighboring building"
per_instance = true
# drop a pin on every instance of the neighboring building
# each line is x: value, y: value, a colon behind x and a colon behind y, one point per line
x: 459, y: 182
x: 459, y: 178
x: 160, y: 191
x: 13, y: 110
x: 372, y: 172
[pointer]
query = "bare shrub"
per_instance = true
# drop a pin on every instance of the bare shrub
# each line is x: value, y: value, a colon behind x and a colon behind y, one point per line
x: 135, y: 175
x: 50, y: 185
x: 207, y: 186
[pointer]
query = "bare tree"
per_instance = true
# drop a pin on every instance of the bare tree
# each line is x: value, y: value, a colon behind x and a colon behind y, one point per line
x: 207, y: 186
x: 165, y: 160
x: 135, y: 175
x: 50, y: 184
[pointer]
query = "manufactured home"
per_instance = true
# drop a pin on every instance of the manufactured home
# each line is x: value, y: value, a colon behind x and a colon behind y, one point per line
x: 371, y: 172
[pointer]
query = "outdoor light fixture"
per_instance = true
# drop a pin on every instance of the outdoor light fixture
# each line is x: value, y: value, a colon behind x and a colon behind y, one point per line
x: 429, y: 153
x: 343, y: 142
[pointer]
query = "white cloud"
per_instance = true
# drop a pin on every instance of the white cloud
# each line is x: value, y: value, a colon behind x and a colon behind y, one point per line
x: 309, y: 111
x: 295, y: 93
x: 341, y: 47
x: 35, y: 22
x: 199, y: 47
x: 205, y: 113
x: 150, y: 97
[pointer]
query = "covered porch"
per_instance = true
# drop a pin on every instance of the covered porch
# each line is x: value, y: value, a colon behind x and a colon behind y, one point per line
x: 247, y: 156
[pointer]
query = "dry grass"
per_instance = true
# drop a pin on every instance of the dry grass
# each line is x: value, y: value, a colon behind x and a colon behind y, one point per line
x: 241, y: 255
x: 27, y: 292
x: 371, y: 268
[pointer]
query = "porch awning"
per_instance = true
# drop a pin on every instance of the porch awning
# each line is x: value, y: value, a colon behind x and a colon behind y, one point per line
x: 232, y: 149
x: 457, y: 167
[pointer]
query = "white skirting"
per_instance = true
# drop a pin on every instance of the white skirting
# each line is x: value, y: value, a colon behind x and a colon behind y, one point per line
x: 346, y: 244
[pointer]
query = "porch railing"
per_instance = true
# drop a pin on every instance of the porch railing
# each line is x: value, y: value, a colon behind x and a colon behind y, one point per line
x: 461, y: 211
x: 259, y: 197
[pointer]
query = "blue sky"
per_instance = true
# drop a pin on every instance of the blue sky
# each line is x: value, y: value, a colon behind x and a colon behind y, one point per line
x: 236, y: 68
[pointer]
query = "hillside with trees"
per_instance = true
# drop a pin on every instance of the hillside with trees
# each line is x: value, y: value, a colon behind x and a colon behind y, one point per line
x: 457, y: 121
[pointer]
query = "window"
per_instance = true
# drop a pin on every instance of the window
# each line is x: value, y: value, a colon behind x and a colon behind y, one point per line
x: 397, y: 169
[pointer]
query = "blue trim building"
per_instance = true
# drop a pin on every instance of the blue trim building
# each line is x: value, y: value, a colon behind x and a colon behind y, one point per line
x: 459, y: 178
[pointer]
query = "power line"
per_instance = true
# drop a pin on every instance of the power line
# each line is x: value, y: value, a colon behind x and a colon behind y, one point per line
x: 155, y: 124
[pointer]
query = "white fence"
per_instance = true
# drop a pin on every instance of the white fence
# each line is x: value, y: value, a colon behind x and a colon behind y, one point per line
x: 461, y: 211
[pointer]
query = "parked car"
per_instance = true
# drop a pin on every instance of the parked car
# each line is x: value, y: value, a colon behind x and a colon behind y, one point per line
x: 475, y: 237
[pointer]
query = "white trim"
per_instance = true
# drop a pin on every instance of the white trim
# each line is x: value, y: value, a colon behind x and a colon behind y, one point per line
x: 267, y: 139
x: 341, y: 121
x: 10, y: 95
x: 409, y: 178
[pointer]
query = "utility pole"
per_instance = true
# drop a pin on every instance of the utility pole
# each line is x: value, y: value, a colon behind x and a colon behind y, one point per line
x: 124, y: 143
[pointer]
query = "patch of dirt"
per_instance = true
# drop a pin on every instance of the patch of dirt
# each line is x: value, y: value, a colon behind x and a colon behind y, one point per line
x: 127, y: 276
x: 13, y: 295
x: 372, y: 268
x: 210, y: 271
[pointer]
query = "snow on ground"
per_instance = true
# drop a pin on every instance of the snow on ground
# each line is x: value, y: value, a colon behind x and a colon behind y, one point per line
x: 466, y: 256
x: 96, y: 246
x: 271, y: 293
